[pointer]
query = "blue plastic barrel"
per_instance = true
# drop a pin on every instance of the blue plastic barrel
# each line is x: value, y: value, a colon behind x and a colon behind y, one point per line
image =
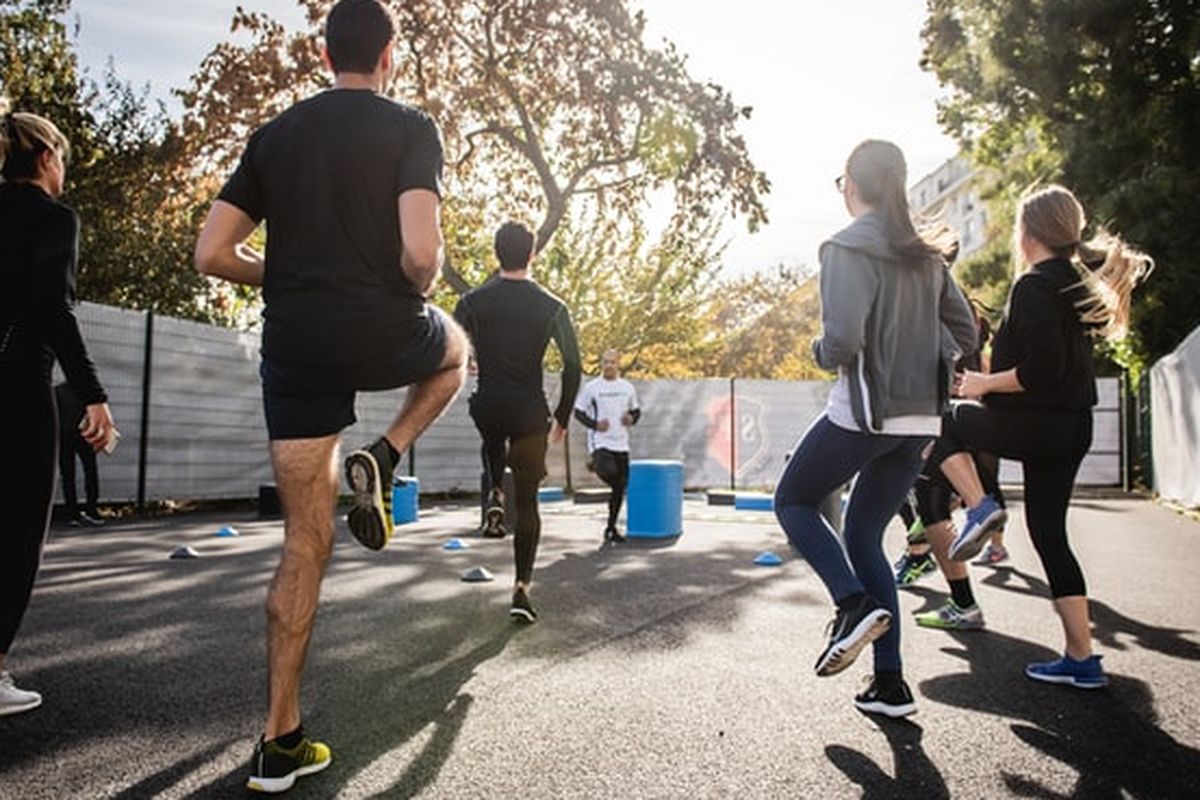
x: 406, y: 491
x: 655, y: 499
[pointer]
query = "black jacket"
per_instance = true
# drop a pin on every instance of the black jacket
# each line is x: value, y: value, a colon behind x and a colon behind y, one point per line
x: 1043, y: 338
x: 40, y: 239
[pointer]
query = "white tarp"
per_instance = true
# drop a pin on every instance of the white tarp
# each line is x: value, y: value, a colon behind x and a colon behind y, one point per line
x: 1175, y: 423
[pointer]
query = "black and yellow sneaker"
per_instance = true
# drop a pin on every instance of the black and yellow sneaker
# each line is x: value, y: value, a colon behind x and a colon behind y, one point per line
x: 274, y: 768
x: 369, y: 473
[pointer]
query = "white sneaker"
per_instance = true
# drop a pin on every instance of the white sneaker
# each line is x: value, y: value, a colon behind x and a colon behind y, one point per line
x: 14, y: 700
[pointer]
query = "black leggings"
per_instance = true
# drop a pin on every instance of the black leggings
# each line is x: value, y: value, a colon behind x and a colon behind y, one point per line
x: 1050, y: 446
x: 612, y: 467
x: 71, y: 446
x: 508, y: 441
x: 26, y: 496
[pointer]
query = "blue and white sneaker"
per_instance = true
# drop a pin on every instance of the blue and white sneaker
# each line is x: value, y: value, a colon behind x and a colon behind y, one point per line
x: 982, y: 520
x: 1086, y: 674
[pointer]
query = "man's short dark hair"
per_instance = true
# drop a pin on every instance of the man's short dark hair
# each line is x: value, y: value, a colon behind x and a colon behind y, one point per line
x: 514, y: 246
x: 356, y: 32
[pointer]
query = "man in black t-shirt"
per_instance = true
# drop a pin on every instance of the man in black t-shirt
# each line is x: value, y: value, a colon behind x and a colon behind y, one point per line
x: 348, y: 184
x: 511, y: 320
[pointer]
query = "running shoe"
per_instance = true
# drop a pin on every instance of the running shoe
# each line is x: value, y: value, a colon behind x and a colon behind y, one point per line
x: 911, y: 568
x: 952, y: 617
x: 849, y: 632
x: 891, y: 698
x: 982, y: 521
x: 14, y: 700
x: 613, y: 535
x: 369, y: 473
x: 274, y: 769
x: 1086, y: 674
x: 521, y: 609
x: 991, y: 556
x: 493, y: 518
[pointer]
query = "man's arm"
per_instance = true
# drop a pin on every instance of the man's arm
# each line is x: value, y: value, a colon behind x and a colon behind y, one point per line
x: 421, y: 237
x: 221, y: 250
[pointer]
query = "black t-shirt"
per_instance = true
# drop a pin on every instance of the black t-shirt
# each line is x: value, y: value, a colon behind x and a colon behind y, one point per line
x: 511, y: 322
x: 1043, y: 338
x: 326, y: 175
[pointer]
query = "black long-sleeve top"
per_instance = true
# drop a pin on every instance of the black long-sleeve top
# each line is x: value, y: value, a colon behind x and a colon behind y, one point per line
x: 40, y: 239
x: 511, y: 323
x: 1043, y: 338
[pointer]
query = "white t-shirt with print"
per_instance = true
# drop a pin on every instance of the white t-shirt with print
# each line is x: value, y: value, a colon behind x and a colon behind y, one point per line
x: 610, y: 400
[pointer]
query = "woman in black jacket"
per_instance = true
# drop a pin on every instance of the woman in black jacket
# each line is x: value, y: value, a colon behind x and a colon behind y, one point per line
x: 37, y: 324
x: 1036, y: 403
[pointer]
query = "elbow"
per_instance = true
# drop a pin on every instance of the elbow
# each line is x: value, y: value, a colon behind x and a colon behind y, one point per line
x: 205, y: 258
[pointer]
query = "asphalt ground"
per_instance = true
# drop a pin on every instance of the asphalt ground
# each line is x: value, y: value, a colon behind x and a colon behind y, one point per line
x: 663, y: 669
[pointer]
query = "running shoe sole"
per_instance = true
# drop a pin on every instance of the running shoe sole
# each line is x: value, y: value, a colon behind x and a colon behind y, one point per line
x: 367, y: 518
x: 20, y: 708
x: 493, y: 526
x: 841, y: 654
x: 965, y: 548
x: 1068, y: 680
x: 522, y: 615
x: 937, y: 623
x: 284, y: 782
x: 886, y: 709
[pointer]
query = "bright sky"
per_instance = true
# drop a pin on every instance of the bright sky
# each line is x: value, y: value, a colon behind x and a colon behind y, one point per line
x: 821, y: 76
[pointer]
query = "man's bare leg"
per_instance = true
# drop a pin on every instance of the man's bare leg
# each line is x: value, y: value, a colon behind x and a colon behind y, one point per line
x: 425, y: 401
x: 307, y: 477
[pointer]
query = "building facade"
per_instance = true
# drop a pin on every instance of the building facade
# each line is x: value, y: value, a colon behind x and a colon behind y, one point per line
x: 950, y: 191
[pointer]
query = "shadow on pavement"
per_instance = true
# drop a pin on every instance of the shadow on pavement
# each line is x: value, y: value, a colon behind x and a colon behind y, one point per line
x: 1108, y: 624
x: 145, y: 662
x: 916, y: 774
x: 1110, y: 737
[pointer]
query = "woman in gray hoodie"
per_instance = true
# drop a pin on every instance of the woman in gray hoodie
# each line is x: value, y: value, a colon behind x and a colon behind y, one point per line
x: 892, y: 320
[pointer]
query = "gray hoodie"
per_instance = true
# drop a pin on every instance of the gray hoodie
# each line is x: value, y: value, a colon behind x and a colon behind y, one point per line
x: 889, y: 328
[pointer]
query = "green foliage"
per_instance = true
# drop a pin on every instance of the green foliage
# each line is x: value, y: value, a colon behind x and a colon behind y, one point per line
x: 765, y: 324
x: 138, y: 212
x: 1103, y: 96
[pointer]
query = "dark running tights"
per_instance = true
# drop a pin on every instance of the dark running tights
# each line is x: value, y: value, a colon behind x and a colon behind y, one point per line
x: 26, y: 497
x: 1050, y: 446
x: 71, y: 446
x: 527, y: 457
x: 612, y: 467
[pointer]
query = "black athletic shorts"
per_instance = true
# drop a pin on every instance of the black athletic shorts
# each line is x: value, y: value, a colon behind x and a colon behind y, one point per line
x: 309, y: 402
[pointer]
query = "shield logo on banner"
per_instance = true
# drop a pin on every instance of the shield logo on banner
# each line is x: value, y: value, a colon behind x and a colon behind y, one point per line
x: 749, y: 445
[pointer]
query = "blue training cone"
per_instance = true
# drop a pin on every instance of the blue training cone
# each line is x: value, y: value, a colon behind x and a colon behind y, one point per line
x: 227, y: 532
x: 455, y: 544
x: 768, y: 559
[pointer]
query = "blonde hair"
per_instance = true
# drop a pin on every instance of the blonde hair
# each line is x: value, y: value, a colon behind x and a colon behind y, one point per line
x: 23, y: 138
x: 1108, y: 267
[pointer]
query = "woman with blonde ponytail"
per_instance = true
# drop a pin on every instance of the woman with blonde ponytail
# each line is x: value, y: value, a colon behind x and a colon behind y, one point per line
x: 1035, y: 406
x: 37, y: 326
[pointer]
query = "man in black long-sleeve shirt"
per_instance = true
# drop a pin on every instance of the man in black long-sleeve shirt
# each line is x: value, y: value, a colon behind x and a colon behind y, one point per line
x: 511, y: 321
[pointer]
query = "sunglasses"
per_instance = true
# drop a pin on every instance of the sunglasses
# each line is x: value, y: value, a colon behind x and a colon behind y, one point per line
x: 840, y: 183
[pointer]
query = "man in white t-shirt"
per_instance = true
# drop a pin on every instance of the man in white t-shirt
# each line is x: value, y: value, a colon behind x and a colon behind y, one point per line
x: 608, y: 407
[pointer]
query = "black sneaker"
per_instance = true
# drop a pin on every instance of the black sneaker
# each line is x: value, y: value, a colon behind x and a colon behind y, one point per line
x: 493, y: 518
x: 849, y: 632
x: 891, y: 698
x: 369, y: 473
x: 613, y: 535
x: 274, y: 769
x: 521, y: 609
